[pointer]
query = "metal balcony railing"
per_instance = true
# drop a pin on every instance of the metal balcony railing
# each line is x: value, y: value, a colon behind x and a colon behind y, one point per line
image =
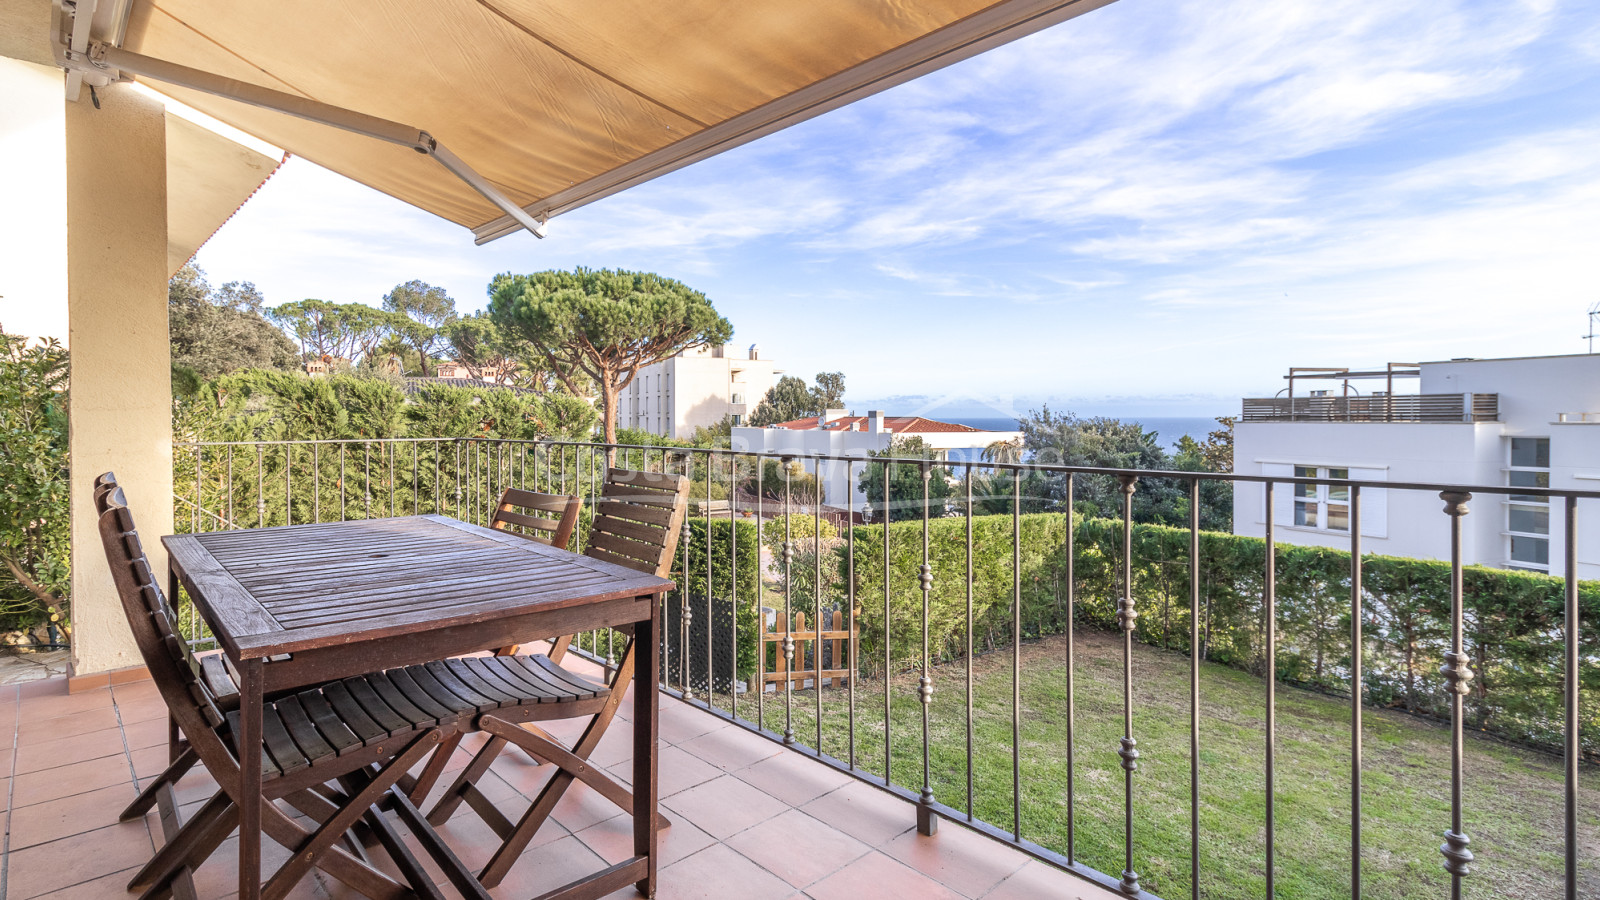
x: 1399, y: 408
x: 947, y: 590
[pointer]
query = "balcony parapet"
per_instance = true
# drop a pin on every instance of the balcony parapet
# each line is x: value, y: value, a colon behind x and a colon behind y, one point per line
x: 1428, y: 408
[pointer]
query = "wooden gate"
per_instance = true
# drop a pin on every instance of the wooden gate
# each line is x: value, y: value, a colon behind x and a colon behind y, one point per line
x: 838, y: 660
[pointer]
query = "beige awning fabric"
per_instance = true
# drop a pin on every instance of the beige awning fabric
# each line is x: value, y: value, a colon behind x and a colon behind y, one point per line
x: 209, y: 177
x: 559, y: 103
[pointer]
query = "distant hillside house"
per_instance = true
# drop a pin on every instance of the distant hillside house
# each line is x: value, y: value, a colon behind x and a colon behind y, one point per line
x: 1528, y: 422
x: 695, y: 389
x: 448, y: 368
x: 839, y: 433
x: 414, y: 386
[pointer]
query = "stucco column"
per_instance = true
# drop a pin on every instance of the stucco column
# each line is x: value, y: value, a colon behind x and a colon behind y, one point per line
x: 121, y: 412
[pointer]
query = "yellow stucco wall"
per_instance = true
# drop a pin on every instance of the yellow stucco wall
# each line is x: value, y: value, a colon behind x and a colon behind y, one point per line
x: 121, y: 367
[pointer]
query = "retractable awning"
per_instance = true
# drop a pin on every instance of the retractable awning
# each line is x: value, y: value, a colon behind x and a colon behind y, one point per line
x: 556, y: 103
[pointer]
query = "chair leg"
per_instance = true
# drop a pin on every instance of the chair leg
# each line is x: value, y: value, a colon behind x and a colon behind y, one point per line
x: 209, y: 826
x: 435, y: 768
x: 457, y: 792
x: 174, y: 772
x: 323, y: 839
x: 551, y: 794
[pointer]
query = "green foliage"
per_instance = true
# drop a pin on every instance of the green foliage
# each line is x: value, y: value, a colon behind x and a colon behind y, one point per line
x: 560, y: 416
x: 604, y: 324
x: 34, y: 488
x: 347, y: 331
x: 214, y: 332
x: 790, y: 399
x: 1513, y: 619
x: 906, y: 482
x: 801, y: 485
x: 441, y: 410
x: 689, y: 571
x: 425, y: 309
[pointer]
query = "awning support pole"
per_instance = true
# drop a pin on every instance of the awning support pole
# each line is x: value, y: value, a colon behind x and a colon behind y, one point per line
x: 102, y: 56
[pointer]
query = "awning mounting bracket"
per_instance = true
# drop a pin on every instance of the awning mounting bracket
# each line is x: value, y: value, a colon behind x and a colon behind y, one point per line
x: 100, y: 62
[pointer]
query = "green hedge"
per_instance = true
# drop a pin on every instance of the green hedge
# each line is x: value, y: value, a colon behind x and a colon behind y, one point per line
x: 1513, y: 620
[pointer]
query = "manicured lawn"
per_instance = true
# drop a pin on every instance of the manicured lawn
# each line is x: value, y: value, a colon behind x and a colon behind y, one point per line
x: 1512, y: 795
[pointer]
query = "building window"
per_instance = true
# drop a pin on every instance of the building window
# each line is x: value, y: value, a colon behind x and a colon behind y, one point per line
x: 1321, y: 506
x: 738, y: 420
x: 1528, y: 515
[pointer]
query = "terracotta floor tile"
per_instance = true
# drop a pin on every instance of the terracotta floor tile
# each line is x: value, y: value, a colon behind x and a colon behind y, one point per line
x: 64, y: 781
x: 34, y: 756
x: 150, y: 733
x: 150, y: 761
x: 582, y: 806
x: 792, y: 778
x: 539, y: 869
x: 56, y: 819
x: 882, y: 878
x: 715, y: 873
x: 142, y: 710
x: 616, y: 745
x: 964, y: 861
x: 41, y: 869
x: 113, y: 885
x: 135, y: 690
x: 797, y: 848
x: 5, y: 794
x: 33, y: 730
x: 44, y: 687
x: 731, y: 748
x: 724, y: 806
x: 1036, y: 879
x: 53, y: 706
x: 218, y: 876
x: 680, y: 723
x: 864, y: 812
x: 613, y: 840
x: 676, y: 772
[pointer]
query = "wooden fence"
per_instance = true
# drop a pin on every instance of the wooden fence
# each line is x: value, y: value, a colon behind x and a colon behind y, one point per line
x: 834, y: 649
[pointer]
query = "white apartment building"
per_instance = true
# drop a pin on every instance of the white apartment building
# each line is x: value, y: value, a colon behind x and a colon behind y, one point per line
x: 1524, y: 422
x: 696, y: 389
x: 838, y: 433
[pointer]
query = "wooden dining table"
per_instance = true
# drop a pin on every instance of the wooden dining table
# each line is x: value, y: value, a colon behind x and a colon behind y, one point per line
x: 301, y: 605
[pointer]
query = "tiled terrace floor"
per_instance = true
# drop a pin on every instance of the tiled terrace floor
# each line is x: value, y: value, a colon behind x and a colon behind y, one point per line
x: 750, y: 819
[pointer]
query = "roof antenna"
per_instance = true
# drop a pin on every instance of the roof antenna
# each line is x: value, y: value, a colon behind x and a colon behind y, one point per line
x: 1594, y: 314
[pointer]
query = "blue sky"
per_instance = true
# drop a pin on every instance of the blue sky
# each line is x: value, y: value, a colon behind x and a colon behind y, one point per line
x: 1155, y: 209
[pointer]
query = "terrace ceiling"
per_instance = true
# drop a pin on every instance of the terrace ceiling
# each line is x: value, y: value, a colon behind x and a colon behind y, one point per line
x: 558, y: 103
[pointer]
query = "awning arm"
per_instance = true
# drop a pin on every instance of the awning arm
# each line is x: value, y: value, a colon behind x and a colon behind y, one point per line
x: 104, y: 57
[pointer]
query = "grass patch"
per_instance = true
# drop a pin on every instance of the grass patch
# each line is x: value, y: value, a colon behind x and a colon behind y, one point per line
x: 1513, y: 804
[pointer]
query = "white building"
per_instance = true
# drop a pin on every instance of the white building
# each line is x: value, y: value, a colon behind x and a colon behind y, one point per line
x: 696, y: 389
x: 838, y: 433
x: 1530, y: 422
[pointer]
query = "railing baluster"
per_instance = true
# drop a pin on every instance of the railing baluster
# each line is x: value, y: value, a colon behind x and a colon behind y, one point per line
x: 1127, y: 617
x: 968, y: 638
x: 1572, y: 749
x: 816, y: 599
x: 711, y: 620
x: 1458, y: 680
x: 288, y: 484
x: 366, y: 478
x: 316, y: 481
x: 344, y: 448
x: 927, y: 821
x: 888, y: 718
x: 787, y: 649
x: 261, y: 487
x: 199, y: 497
x: 1357, y: 690
x: 1016, y: 657
x: 1194, y: 689
x: 1072, y: 694
x: 850, y: 602
x: 231, y: 522
x: 684, y: 610
x: 761, y: 609
x: 733, y: 586
x: 1270, y: 626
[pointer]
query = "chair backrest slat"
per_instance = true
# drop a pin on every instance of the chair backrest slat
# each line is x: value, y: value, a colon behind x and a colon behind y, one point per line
x: 637, y: 522
x: 546, y: 518
x: 168, y: 656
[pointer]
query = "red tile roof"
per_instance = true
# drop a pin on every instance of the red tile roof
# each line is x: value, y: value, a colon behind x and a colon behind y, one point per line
x: 891, y: 424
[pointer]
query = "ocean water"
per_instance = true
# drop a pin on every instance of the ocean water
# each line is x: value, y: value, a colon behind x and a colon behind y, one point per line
x: 1170, y: 428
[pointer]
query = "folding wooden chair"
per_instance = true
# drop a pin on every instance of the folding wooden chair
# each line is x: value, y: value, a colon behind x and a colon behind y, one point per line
x: 636, y: 524
x: 292, y: 763
x: 546, y: 518
x: 337, y: 731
